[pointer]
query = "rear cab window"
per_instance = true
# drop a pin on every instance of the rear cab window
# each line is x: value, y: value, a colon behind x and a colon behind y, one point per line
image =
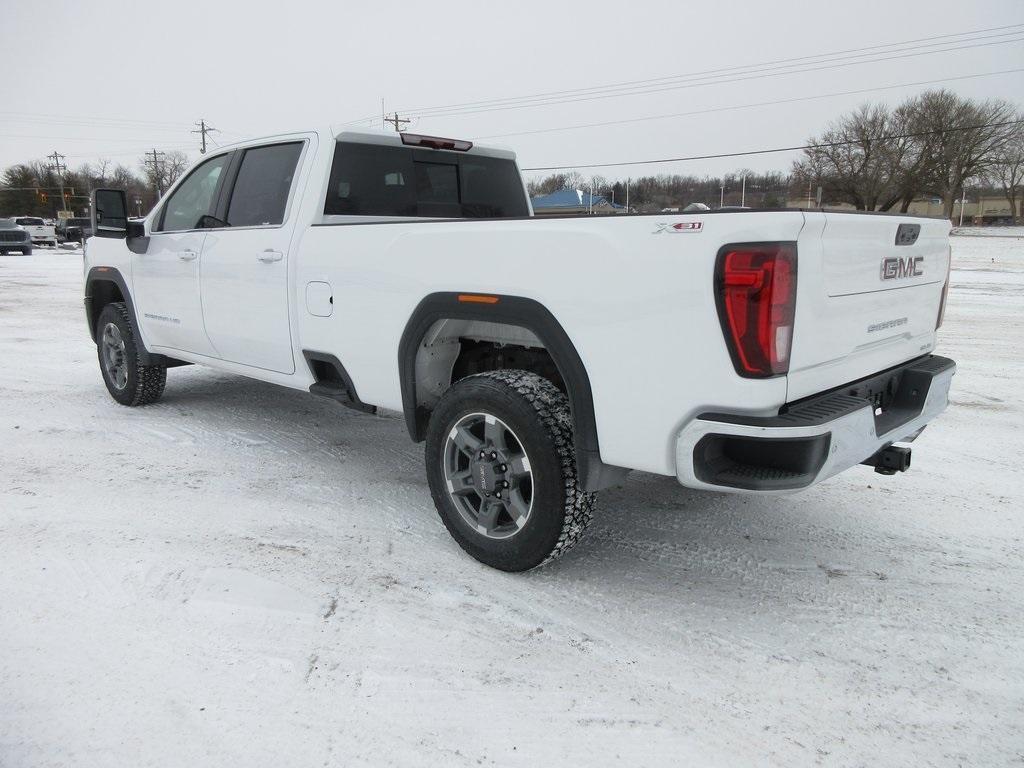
x: 380, y: 180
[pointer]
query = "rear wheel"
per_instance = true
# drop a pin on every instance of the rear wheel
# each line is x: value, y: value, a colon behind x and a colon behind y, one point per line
x: 502, y: 469
x: 128, y: 381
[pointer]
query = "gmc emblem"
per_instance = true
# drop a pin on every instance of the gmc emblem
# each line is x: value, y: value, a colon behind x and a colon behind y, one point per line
x: 895, y: 268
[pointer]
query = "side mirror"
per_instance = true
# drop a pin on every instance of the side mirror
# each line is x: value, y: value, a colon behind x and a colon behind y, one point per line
x: 109, y: 213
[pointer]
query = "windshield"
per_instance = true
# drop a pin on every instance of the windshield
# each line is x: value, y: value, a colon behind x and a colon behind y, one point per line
x: 7, y: 224
x: 378, y: 180
x: 29, y: 222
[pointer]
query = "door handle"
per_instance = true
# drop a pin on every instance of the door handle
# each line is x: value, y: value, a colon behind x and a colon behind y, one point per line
x: 269, y: 256
x: 188, y: 255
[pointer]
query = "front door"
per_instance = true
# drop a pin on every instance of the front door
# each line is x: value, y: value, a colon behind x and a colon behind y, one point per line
x: 245, y: 263
x: 165, y: 279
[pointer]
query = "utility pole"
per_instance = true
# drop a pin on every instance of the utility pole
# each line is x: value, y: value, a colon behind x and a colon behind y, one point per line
x: 203, y: 129
x: 743, y: 194
x: 154, y: 158
x: 963, y: 202
x: 396, y: 121
x: 627, y: 195
x: 721, y: 198
x: 59, y: 167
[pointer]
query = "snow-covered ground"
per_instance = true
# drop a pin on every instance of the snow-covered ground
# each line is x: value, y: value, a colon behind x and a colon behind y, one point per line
x: 988, y: 231
x: 243, y: 575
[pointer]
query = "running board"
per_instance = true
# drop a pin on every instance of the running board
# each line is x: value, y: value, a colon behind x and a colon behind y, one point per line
x: 332, y: 381
x: 338, y: 392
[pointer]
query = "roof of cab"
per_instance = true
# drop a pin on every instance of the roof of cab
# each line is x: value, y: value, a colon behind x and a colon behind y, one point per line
x: 364, y: 136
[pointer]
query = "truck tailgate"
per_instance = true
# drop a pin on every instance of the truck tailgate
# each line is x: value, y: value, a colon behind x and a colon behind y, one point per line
x: 868, y: 294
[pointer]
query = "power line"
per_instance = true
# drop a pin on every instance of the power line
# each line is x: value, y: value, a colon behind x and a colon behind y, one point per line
x: 745, y: 106
x: 32, y: 116
x: 687, y: 85
x: 156, y: 158
x: 467, y: 107
x: 60, y: 168
x: 396, y: 121
x: 726, y: 71
x: 203, y: 129
x: 824, y: 145
x: 121, y: 153
x: 73, y: 138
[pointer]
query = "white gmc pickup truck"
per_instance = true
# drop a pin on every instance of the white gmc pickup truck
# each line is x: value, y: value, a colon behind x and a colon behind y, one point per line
x: 540, y: 359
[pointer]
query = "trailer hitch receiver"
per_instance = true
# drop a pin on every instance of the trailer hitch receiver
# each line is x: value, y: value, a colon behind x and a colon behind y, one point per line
x: 890, y: 460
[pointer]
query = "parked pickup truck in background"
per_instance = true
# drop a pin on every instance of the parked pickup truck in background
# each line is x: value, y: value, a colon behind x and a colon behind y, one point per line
x: 74, y: 230
x: 40, y: 232
x: 539, y: 359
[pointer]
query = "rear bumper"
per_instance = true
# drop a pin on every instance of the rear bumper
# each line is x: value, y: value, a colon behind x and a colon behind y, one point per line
x: 815, y: 438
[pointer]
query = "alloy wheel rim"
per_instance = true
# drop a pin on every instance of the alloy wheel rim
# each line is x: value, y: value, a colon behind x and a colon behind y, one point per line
x: 115, y: 363
x: 488, y: 475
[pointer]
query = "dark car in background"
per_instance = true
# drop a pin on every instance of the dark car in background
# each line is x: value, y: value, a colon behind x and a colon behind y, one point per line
x: 74, y: 230
x: 14, y: 238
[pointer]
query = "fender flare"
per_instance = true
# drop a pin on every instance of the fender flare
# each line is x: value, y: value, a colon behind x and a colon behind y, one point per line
x: 113, y: 275
x: 535, y: 317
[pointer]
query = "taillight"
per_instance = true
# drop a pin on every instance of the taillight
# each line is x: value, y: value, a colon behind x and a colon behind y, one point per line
x: 945, y: 293
x: 756, y: 293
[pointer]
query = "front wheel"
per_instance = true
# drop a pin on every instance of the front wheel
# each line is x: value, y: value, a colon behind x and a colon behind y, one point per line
x: 128, y: 381
x: 502, y: 469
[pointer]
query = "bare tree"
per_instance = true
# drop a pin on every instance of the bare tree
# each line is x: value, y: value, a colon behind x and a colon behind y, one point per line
x: 856, y: 160
x: 960, y: 139
x: 175, y: 164
x: 167, y: 170
x: 101, y: 170
x: 1007, y: 169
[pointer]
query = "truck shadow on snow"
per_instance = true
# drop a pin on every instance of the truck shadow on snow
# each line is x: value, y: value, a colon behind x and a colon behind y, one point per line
x: 650, y: 524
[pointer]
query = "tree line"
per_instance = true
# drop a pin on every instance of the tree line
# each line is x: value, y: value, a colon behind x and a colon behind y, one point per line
x: 875, y: 158
x: 879, y: 158
x: 34, y: 188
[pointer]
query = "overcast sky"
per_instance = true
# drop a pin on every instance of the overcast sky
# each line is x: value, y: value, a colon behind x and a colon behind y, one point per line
x: 112, y: 79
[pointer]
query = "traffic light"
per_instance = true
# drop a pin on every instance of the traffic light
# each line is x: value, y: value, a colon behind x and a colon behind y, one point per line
x: 42, y: 197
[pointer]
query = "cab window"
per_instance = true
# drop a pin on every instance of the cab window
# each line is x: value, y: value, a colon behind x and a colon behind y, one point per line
x: 260, y: 194
x: 194, y: 199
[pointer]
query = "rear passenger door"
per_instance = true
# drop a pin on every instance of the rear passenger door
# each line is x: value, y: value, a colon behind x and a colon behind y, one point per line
x: 244, y: 281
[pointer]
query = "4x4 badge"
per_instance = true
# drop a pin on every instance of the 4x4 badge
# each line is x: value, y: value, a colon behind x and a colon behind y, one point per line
x: 682, y: 226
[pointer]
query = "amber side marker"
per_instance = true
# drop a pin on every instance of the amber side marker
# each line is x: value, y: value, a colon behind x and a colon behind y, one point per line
x: 474, y: 298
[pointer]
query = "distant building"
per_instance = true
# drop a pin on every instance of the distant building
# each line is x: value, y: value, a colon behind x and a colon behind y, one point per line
x: 573, y: 201
x: 988, y: 209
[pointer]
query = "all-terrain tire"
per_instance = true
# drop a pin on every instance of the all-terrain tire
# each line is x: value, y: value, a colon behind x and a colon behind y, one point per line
x: 538, y: 416
x: 142, y: 384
